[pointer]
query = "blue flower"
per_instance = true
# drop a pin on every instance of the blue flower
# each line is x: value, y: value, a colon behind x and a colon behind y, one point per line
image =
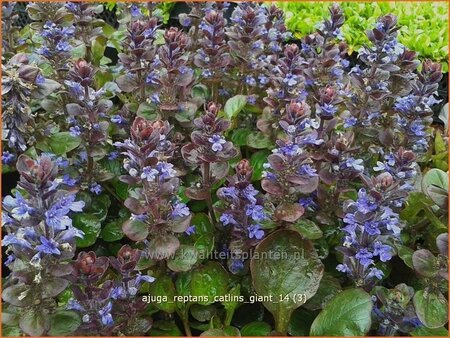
x: 372, y: 228
x: 56, y: 217
x: 417, y: 128
x: 75, y: 89
x: 72, y: 304
x: 180, y: 210
x: 255, y: 231
x: 327, y: 110
x: 165, y: 170
x: 357, y: 165
x: 263, y: 80
x: 217, y: 142
x: 63, y: 46
x: 144, y: 278
x: 405, y: 104
x: 343, y: 268
x: 256, y: 212
x: 135, y: 11
x: 113, y: 155
x: 250, y: 80
x: 308, y: 202
x: 155, y: 98
x: 236, y: 266
x: 105, y: 314
x: 229, y: 192
x: 207, y: 73
x: 48, y: 246
x: 350, y: 122
x: 382, y: 250
x: 20, y: 208
x: 291, y: 79
x: 290, y: 149
x: 191, y: 230
x: 12, y: 239
x: 118, y: 292
x: 96, y: 188
x: 364, y: 256
x: 364, y: 203
x: 67, y: 180
x: 391, y: 220
x: 185, y: 20
x: 251, y: 99
x: 249, y: 193
x: 149, y: 174
x: 306, y: 169
x: 227, y: 219
x: 374, y: 272
x: 117, y: 119
x: 152, y: 78
x: 11, y: 258
x: 8, y: 158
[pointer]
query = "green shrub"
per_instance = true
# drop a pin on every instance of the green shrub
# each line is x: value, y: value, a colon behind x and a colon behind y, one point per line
x: 424, y: 25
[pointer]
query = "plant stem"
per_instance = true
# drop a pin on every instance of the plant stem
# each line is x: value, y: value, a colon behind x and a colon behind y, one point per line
x: 207, y: 185
x: 185, y: 320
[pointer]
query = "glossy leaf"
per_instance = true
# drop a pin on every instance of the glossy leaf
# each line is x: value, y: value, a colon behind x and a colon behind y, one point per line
x: 234, y: 106
x: 431, y: 308
x: 210, y: 280
x: 184, y: 259
x: 64, y: 323
x: 292, y: 268
x: 347, y: 314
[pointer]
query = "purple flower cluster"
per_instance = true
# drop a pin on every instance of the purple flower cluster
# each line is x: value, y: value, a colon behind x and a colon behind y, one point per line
x: 57, y: 45
x: 372, y: 222
x: 39, y: 231
x: 154, y: 202
x: 243, y: 213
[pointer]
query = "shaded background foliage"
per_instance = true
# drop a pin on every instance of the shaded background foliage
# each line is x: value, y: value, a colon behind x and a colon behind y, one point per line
x: 256, y: 197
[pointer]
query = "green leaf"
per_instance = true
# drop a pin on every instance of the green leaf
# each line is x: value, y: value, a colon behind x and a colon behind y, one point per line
x: 209, y: 281
x: 202, y: 224
x: 308, y: 229
x: 90, y: 225
x: 34, y: 322
x: 258, y: 140
x: 257, y: 161
x: 426, y: 332
x: 63, y: 323
x: 239, y: 136
x: 204, y: 245
x: 165, y: 329
x: 234, y: 106
x: 256, y: 329
x: 163, y: 287
x: 288, y: 266
x: 405, y: 254
x: 435, y: 177
x: 135, y: 230
x: 63, y: 142
x: 184, y: 259
x: 425, y: 263
x: 112, y: 231
x: 347, y: 314
x: 300, y: 322
x: 203, y: 313
x: 10, y: 331
x: 18, y: 295
x: 98, y: 48
x: 231, y: 304
x: 431, y: 308
x: 328, y: 288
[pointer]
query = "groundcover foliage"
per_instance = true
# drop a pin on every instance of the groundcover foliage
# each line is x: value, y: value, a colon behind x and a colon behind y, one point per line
x: 216, y: 176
